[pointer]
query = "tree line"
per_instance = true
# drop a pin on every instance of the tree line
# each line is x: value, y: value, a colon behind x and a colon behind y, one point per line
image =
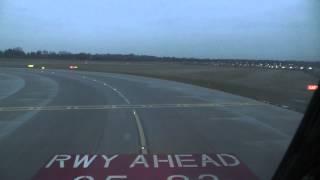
x: 18, y: 52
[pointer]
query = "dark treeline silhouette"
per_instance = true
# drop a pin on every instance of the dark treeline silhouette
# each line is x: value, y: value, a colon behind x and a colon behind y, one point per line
x: 18, y: 52
x: 14, y: 52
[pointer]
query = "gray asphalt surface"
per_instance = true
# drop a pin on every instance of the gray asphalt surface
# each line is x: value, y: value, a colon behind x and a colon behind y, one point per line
x: 50, y: 112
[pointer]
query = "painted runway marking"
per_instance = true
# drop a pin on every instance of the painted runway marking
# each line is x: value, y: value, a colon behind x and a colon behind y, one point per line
x: 124, y: 106
x: 142, y: 138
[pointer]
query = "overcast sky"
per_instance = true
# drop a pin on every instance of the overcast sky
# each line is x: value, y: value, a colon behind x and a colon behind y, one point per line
x: 254, y: 29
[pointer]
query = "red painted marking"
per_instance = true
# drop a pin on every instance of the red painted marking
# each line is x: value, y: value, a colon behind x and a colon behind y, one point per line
x: 191, y: 166
x: 312, y: 87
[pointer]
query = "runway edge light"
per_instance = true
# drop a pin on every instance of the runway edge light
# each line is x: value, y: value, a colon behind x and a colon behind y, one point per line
x: 312, y: 87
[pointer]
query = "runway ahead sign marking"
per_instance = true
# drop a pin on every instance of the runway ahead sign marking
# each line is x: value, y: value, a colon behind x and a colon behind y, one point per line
x: 145, y: 167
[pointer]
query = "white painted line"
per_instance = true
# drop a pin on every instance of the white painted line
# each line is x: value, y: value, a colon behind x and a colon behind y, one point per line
x: 126, y: 106
x: 127, y: 101
x: 141, y: 133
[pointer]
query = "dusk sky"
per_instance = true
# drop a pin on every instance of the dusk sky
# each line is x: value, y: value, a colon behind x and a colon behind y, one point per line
x: 253, y: 29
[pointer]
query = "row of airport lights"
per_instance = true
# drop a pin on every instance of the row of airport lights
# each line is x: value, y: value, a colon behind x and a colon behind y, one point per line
x: 290, y: 67
x: 274, y: 66
x: 43, y: 67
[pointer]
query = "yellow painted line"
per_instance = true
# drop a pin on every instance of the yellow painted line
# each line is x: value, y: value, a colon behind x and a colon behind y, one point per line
x: 125, y: 106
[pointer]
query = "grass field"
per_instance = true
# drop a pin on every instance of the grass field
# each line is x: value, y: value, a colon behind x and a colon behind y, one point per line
x: 279, y: 87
